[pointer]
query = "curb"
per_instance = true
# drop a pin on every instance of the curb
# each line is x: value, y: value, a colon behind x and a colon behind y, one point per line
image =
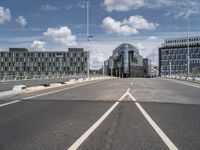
x: 20, y: 89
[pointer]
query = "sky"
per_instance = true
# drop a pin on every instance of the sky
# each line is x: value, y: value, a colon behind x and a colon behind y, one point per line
x: 55, y: 25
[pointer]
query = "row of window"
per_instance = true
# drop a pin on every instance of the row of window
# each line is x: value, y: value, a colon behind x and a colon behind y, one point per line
x: 36, y: 59
x: 15, y: 69
x: 171, y: 57
x: 38, y: 64
x: 33, y: 73
x: 67, y: 54
x: 182, y: 62
x: 183, y: 40
x: 181, y: 51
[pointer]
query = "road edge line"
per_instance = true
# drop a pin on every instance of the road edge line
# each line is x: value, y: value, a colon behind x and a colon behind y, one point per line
x: 9, y: 103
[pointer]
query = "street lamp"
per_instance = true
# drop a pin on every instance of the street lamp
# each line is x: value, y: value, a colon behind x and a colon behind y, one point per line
x: 188, y: 45
x: 170, y: 68
x: 88, y: 39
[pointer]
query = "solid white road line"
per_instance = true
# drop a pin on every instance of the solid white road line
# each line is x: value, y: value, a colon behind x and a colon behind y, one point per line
x: 183, y: 83
x: 47, y: 93
x: 9, y: 103
x: 84, y: 136
x: 162, y: 135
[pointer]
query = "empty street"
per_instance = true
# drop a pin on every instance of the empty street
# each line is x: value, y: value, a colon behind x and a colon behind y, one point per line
x: 116, y: 114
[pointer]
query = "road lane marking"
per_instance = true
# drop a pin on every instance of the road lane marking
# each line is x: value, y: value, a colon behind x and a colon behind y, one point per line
x: 47, y: 93
x: 184, y: 83
x: 85, y: 135
x: 9, y: 103
x: 158, y: 130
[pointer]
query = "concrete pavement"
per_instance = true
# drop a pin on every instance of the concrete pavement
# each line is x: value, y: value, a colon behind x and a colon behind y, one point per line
x: 56, y: 121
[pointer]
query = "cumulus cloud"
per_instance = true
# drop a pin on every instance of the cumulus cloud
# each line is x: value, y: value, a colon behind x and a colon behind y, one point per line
x: 38, y: 45
x: 185, y: 8
x: 48, y: 7
x: 128, y: 26
x: 177, y: 8
x: 22, y: 21
x: 61, y: 35
x: 122, y: 5
x: 126, y: 5
x: 4, y: 15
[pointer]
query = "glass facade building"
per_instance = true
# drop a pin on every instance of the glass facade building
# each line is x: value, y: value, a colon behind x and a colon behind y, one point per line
x: 125, y: 62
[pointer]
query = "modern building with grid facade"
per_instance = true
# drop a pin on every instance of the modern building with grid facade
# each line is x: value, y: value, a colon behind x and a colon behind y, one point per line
x: 173, y: 56
x: 21, y: 61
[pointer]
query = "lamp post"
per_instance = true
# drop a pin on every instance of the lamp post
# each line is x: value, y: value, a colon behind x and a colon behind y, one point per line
x: 170, y: 68
x: 88, y: 39
x: 103, y: 69
x: 188, y: 45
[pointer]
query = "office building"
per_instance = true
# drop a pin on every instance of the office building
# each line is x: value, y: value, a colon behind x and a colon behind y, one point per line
x: 173, y: 56
x: 21, y: 61
x: 125, y: 62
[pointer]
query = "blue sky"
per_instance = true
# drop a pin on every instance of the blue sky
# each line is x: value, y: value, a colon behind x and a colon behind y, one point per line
x: 58, y: 24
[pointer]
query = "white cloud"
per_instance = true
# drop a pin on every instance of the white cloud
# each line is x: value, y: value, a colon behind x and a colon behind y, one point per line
x: 138, y: 22
x: 152, y: 38
x: 48, y: 7
x: 122, y: 5
x: 140, y: 46
x: 177, y: 8
x: 4, y: 15
x: 38, y: 45
x: 185, y: 8
x: 81, y: 4
x: 61, y: 35
x: 22, y: 21
x: 128, y: 26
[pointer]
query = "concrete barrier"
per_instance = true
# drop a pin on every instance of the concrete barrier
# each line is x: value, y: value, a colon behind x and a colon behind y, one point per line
x: 80, y: 80
x: 19, y: 89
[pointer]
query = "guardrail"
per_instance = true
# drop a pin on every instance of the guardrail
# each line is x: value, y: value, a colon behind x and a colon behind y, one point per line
x: 191, y: 79
x: 6, y: 77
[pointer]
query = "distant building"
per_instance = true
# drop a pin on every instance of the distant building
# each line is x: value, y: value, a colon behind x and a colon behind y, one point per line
x: 150, y: 70
x: 125, y: 62
x: 147, y: 67
x: 174, y: 51
x: 20, y: 61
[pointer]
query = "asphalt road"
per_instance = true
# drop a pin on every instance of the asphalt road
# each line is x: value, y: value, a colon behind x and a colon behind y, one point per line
x: 8, y: 85
x: 141, y: 114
